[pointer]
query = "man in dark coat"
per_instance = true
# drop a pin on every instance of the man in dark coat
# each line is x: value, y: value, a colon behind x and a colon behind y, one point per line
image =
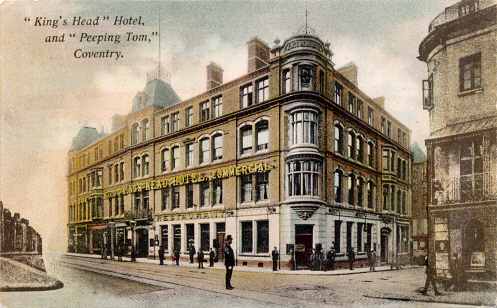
x: 229, y: 261
x: 176, y: 256
x: 200, y: 258
x: 211, y: 257
x: 330, y: 258
x: 161, y: 255
x: 430, y: 279
x: 192, y: 252
x: 351, y: 256
x: 276, y: 256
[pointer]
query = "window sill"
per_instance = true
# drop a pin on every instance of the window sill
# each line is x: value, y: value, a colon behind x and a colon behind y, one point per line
x: 470, y: 92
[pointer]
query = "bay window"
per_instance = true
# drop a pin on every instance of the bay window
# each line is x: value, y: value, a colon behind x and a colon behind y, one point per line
x: 304, y: 178
x: 304, y: 127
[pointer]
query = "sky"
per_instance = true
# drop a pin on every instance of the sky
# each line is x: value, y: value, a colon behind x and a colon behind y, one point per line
x: 46, y: 94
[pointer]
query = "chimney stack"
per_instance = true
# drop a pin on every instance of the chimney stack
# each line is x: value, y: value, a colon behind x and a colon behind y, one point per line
x: 380, y: 101
x: 214, y: 75
x: 349, y: 71
x: 258, y: 54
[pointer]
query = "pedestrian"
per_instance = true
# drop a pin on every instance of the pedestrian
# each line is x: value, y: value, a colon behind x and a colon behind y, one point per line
x: 276, y: 256
x: 229, y: 261
x: 455, y: 272
x: 430, y: 279
x: 372, y: 266
x: 191, y: 252
x: 176, y: 256
x: 351, y: 256
x: 212, y: 255
x: 119, y: 252
x: 330, y: 258
x: 161, y: 255
x: 200, y: 258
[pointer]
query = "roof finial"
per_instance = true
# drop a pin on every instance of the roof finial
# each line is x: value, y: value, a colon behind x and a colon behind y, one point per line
x: 306, y: 18
x: 159, y: 44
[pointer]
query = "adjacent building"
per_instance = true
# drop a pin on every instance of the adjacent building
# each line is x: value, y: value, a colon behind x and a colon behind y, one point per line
x: 419, y: 205
x: 460, y: 95
x: 291, y: 155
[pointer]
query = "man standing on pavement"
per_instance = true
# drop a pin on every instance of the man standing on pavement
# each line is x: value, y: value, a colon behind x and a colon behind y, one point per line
x: 275, y: 255
x: 229, y: 261
x: 191, y: 252
x: 330, y: 257
x: 351, y: 256
x: 161, y: 255
x: 176, y: 256
x: 373, y: 261
x: 200, y: 258
x: 211, y: 258
x: 430, y: 279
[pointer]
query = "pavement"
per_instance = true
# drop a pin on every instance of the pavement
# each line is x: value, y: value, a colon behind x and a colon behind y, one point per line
x: 16, y: 276
x: 220, y: 265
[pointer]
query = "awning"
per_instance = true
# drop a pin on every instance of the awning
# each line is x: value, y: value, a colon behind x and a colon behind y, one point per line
x: 466, y: 127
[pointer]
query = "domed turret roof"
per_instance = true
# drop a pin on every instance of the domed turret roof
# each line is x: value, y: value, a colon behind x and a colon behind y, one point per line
x: 156, y: 93
x: 86, y: 135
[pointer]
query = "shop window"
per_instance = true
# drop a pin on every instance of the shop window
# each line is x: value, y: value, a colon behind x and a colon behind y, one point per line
x: 247, y: 239
x: 262, y: 236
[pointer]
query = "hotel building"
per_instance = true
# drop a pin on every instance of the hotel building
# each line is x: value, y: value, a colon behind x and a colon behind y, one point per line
x: 291, y: 155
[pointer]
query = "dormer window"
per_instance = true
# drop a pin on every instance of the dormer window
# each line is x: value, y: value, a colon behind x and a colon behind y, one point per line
x: 468, y: 7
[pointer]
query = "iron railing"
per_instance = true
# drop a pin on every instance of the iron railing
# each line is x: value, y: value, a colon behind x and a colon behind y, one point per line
x: 457, y: 10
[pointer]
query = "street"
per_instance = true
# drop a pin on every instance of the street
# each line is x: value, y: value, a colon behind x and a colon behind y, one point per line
x: 104, y: 283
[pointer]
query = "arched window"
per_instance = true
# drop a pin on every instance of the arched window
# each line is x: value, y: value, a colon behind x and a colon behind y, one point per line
x: 351, y: 145
x: 137, y: 167
x: 204, y: 150
x: 135, y: 131
x: 145, y: 130
x: 174, y: 157
x: 338, y: 138
x: 164, y: 155
x: 337, y: 185
x: 217, y: 147
x: 246, y: 144
x: 351, y: 189
x: 370, y: 194
x: 287, y: 82
x: 146, y: 165
x: 262, y: 135
x: 360, y: 191
x: 371, y: 154
x: 359, y: 148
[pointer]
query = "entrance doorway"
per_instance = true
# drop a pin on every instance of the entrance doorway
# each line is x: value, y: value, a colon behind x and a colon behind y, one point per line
x: 219, y: 240
x: 141, y: 243
x: 303, y: 245
x: 385, y: 234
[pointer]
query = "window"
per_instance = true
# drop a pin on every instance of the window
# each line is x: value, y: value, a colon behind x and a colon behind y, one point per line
x: 304, y: 178
x: 121, y: 204
x: 247, y: 233
x: 204, y: 237
x: 164, y: 125
x: 188, y: 154
x: 217, y: 191
x: 262, y: 90
x: 360, y: 149
x: 262, y: 135
x: 468, y: 7
x: 246, y: 187
x: 116, y: 172
x: 392, y: 198
x: 175, y: 197
x: 359, y: 236
x: 175, y: 122
x: 321, y: 82
x: 261, y: 186
x: 165, y: 198
x: 351, y: 145
x: 135, y: 131
x: 403, y: 208
x: 338, y: 93
x: 399, y: 201
x: 383, y: 126
x: 306, y: 77
x: 190, y: 235
x: 337, y: 186
x: 246, y: 96
x: 189, y: 195
x: 428, y: 93
x: 204, y: 150
x: 386, y: 199
x: 359, y: 114
x: 389, y: 129
x: 360, y: 192
x: 471, y: 170
x: 370, y: 116
x: 121, y: 171
x: 145, y: 129
x: 164, y: 236
x: 349, y: 234
x: 399, y: 167
x: 176, y: 237
x: 338, y: 235
x: 246, y: 144
x: 175, y: 158
x: 136, y: 167
x: 188, y: 116
x: 370, y: 154
x: 386, y: 160
x: 338, y: 139
x: 352, y: 103
x: 262, y: 236
x: 146, y: 165
x: 217, y: 147
x: 350, y: 189
x: 164, y: 154
x: 470, y: 72
x: 370, y: 188
x: 303, y: 127
x: 217, y: 106
x: 287, y: 82
x: 110, y: 207
x: 204, y: 111
x: 204, y: 194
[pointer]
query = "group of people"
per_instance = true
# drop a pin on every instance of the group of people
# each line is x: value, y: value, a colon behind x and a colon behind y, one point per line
x: 191, y: 253
x: 321, y: 262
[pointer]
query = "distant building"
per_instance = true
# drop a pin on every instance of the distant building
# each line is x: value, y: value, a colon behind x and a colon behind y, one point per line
x: 293, y: 154
x: 460, y: 96
x: 419, y: 204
